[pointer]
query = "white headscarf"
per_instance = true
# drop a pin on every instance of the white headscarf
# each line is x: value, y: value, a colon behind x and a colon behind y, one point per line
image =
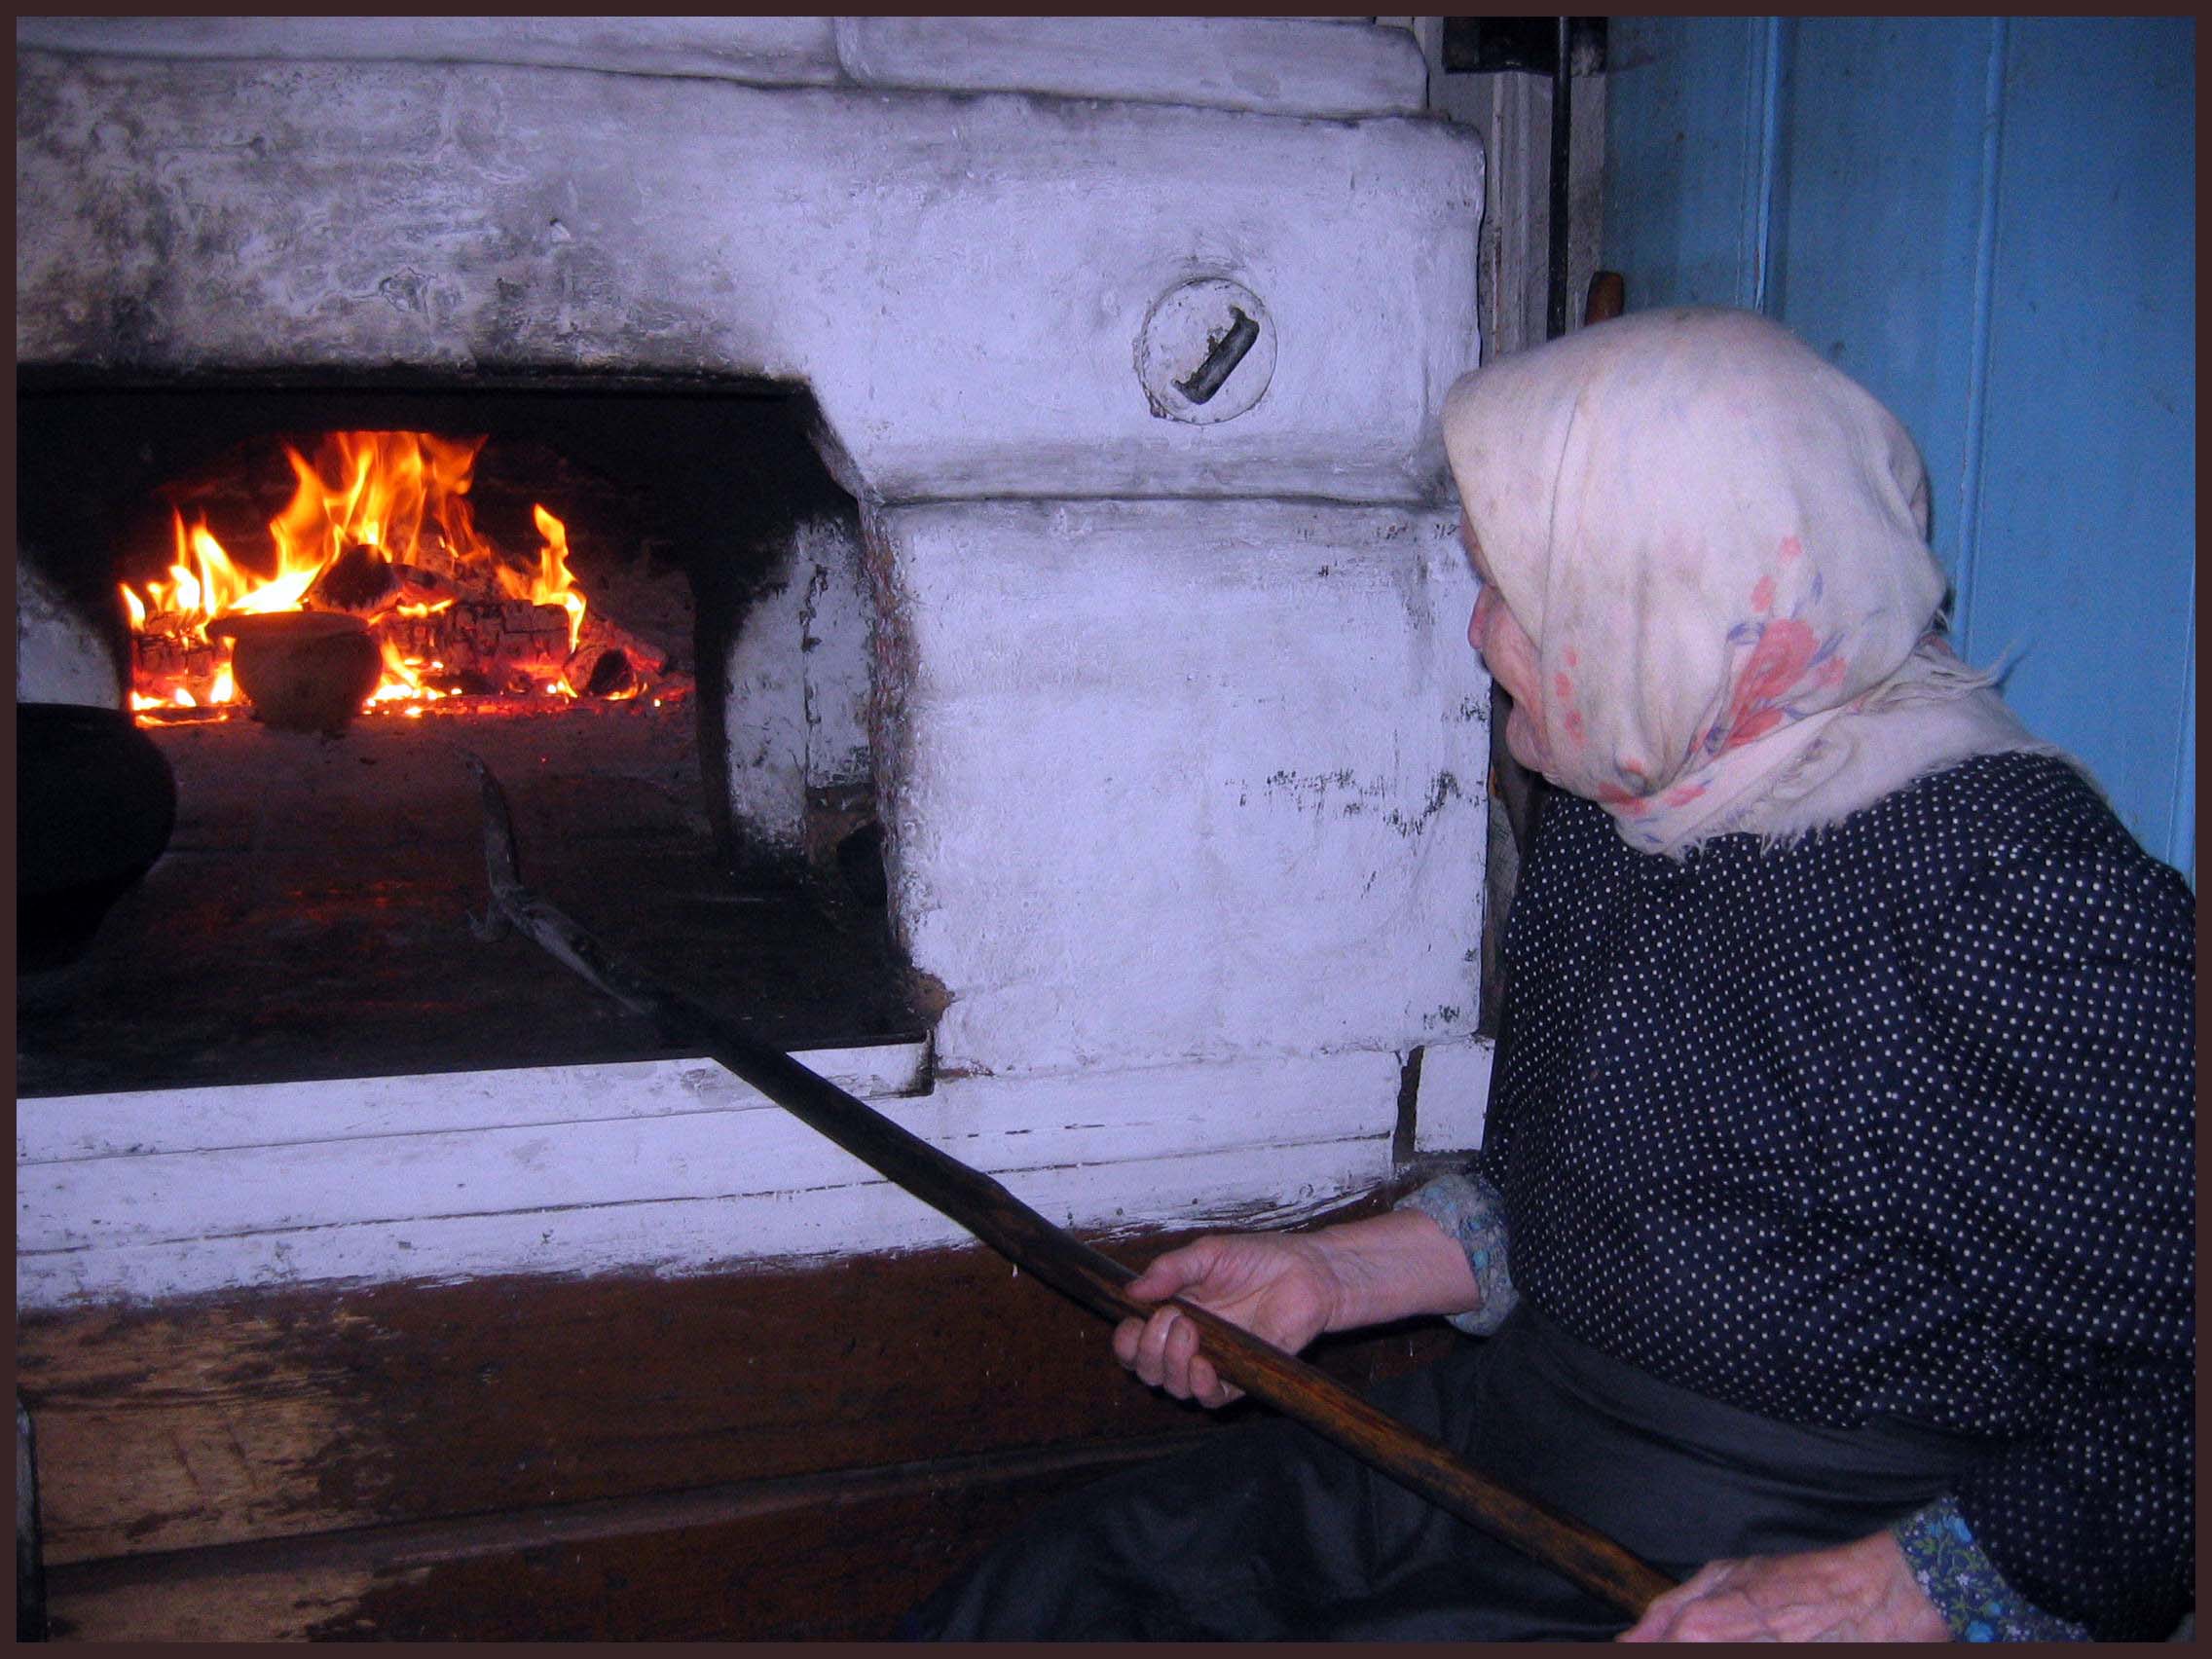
x: 1717, y: 542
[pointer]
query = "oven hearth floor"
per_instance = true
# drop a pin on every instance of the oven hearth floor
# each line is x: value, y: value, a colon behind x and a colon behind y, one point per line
x: 310, y: 919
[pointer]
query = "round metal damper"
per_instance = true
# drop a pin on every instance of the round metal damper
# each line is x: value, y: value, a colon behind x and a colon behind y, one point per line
x: 1206, y: 351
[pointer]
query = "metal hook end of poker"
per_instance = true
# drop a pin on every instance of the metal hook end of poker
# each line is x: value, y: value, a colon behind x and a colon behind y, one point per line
x: 502, y: 867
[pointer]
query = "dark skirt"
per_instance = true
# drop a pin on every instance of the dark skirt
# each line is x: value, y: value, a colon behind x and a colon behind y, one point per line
x: 1271, y: 1533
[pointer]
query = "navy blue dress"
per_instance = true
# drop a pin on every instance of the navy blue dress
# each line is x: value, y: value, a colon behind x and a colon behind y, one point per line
x: 1897, y: 1121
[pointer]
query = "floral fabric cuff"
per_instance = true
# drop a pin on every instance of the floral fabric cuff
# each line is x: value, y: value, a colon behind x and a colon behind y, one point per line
x: 1472, y: 1211
x: 1966, y: 1586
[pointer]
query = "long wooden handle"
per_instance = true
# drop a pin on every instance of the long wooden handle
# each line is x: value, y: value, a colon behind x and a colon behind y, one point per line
x: 978, y: 1203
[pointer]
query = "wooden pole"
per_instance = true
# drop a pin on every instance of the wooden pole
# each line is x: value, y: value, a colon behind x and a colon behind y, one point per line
x: 1046, y: 1252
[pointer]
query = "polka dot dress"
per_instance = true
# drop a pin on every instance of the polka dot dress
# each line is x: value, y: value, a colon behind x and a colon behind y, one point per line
x: 1896, y: 1121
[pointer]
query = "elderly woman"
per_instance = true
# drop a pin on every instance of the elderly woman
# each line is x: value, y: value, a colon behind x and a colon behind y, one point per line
x: 1832, y: 1236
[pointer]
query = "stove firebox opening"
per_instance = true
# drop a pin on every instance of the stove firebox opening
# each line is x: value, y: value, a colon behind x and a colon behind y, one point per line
x: 644, y: 607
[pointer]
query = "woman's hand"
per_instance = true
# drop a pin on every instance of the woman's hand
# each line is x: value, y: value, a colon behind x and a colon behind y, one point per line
x: 1279, y: 1286
x: 1287, y: 1289
x: 1860, y: 1592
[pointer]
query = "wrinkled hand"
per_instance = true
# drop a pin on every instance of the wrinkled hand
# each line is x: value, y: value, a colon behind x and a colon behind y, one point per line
x: 1859, y: 1592
x: 1280, y: 1287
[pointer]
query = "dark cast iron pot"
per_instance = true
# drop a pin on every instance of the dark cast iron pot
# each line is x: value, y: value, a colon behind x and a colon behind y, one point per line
x: 95, y: 805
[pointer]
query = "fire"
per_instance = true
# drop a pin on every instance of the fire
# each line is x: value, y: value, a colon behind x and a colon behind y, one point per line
x: 379, y: 525
x: 550, y: 585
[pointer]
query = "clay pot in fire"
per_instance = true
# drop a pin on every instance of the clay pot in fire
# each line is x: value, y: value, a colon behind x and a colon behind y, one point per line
x: 302, y: 670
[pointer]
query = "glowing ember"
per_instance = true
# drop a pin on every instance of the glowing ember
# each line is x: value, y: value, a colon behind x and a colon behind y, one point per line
x: 379, y: 526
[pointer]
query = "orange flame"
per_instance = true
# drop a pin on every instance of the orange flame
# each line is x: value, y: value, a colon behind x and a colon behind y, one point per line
x: 551, y: 584
x: 403, y: 496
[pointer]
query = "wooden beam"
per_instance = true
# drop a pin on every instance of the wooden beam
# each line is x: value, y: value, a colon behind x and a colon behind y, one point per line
x: 840, y: 1554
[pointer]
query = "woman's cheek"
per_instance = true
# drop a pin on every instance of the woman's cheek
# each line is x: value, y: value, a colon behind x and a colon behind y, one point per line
x: 1524, y: 738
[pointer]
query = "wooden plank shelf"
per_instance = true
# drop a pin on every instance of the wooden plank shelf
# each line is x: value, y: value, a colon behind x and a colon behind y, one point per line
x: 787, y: 1453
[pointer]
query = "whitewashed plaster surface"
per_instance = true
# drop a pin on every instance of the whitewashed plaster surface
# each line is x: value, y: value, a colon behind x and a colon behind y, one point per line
x: 1180, y: 779
x: 662, y: 1166
x: 1277, y: 65
x: 1453, y: 1097
x: 1273, y: 65
x: 57, y: 660
x: 764, y: 50
x: 797, y: 707
x: 961, y: 279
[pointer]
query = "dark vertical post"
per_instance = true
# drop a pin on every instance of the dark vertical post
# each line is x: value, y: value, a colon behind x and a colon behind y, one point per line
x: 1563, y: 145
x: 1518, y: 791
x: 30, y: 1556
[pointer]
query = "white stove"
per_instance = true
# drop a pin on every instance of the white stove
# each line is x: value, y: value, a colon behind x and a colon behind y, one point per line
x: 1127, y: 339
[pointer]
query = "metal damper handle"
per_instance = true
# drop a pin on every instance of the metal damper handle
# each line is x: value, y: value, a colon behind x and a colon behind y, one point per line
x: 1422, y: 1465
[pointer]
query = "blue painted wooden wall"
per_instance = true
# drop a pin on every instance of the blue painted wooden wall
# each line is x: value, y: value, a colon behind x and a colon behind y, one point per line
x: 1991, y: 223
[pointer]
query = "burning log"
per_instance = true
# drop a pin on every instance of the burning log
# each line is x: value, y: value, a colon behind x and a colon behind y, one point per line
x: 613, y: 662
x: 493, y: 638
x: 601, y: 670
x: 359, y: 580
x: 173, y: 651
x: 645, y: 657
x: 364, y: 580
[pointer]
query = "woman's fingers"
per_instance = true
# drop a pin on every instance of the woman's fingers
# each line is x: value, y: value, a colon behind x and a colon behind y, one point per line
x: 1177, y: 1348
x: 1174, y: 1270
x: 1176, y: 1341
x: 1142, y: 1345
x: 1207, y: 1388
x: 1231, y: 1276
x: 1857, y: 1591
x: 1126, y: 1338
x: 1137, y: 1346
x: 1661, y: 1619
x: 1163, y: 1353
x: 1152, y: 1349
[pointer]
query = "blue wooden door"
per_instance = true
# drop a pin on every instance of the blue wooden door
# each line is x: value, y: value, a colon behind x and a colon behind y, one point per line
x: 1991, y: 222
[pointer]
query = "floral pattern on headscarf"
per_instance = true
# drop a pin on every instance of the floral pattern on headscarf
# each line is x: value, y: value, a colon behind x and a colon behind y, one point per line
x: 1788, y: 668
x: 1717, y: 541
